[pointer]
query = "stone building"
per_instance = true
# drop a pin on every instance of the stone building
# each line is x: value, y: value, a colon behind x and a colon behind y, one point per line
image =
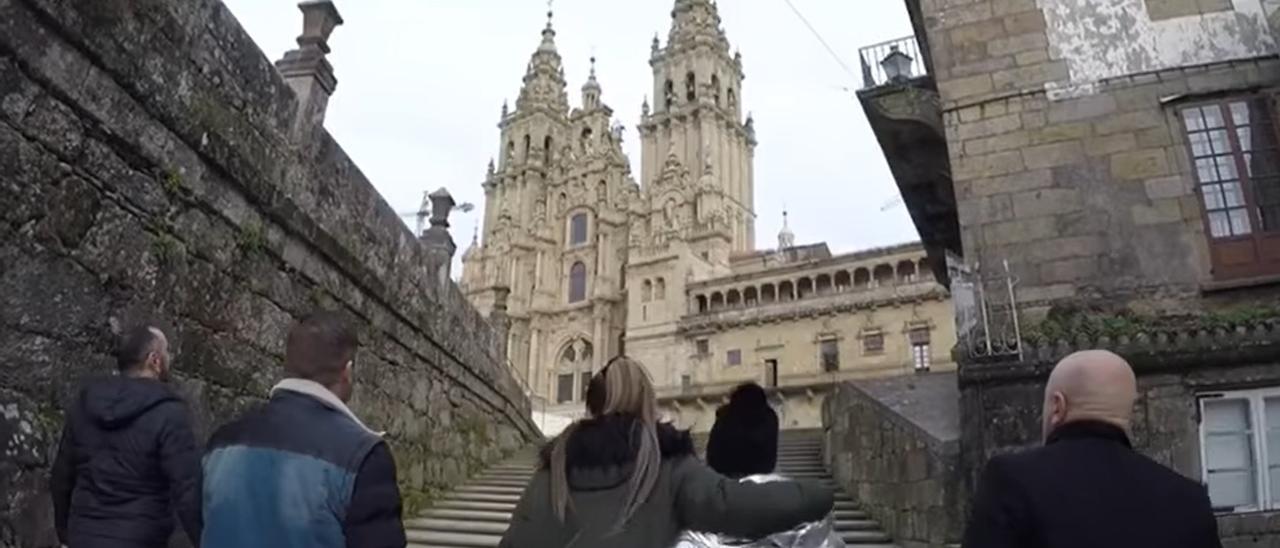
x: 1101, y: 175
x: 666, y: 267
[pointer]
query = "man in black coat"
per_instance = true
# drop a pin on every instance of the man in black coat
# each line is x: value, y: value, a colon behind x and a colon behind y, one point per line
x: 744, y: 439
x: 1087, y: 486
x: 128, y: 457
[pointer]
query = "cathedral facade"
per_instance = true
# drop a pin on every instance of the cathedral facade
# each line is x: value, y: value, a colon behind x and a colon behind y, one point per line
x: 591, y: 263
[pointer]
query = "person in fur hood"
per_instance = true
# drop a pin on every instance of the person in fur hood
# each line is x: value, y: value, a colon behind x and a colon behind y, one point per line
x: 621, y: 479
x: 744, y: 445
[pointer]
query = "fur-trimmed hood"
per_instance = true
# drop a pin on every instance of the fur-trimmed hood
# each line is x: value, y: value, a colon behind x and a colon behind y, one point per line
x: 601, y: 451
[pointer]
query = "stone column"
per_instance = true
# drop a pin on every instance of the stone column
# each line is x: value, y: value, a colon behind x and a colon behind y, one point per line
x: 437, y: 241
x: 501, y: 323
x: 307, y: 70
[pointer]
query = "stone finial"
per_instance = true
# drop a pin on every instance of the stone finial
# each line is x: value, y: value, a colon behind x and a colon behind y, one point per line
x: 644, y: 107
x: 319, y: 18
x: 441, y: 204
x: 307, y: 70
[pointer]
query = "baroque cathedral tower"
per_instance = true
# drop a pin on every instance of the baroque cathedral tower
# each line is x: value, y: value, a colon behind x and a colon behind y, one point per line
x: 595, y: 263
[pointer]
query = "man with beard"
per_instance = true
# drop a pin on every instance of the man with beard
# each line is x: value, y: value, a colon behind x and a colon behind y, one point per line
x: 128, y: 457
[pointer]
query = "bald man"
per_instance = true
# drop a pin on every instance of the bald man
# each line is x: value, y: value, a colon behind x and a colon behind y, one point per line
x: 1087, y: 486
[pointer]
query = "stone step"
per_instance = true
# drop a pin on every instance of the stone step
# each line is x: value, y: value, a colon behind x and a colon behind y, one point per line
x: 864, y: 537
x: 484, y: 497
x: 499, y: 483
x: 483, y: 506
x: 456, y: 526
x: 440, y: 539
x: 476, y: 515
x: 490, y: 489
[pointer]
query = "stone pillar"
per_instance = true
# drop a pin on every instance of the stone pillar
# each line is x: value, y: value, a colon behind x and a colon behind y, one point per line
x: 437, y: 241
x: 501, y: 323
x: 306, y: 68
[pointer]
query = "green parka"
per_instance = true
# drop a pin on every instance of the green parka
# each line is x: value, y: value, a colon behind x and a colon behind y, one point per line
x: 688, y: 496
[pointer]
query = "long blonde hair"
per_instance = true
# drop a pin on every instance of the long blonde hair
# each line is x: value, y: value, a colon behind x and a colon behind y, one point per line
x: 627, y: 391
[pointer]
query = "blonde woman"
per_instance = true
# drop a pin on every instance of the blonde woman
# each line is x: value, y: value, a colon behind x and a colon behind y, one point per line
x: 621, y: 479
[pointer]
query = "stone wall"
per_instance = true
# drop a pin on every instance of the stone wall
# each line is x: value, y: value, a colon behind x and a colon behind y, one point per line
x: 1069, y: 159
x: 147, y: 173
x: 1001, y: 402
x: 894, y: 445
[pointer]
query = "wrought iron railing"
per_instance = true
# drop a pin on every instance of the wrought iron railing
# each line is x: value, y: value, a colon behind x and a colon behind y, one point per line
x: 874, y: 57
x: 986, y: 308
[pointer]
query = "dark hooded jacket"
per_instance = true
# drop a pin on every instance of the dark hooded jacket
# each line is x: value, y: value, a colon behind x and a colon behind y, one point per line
x: 744, y: 439
x: 600, y: 455
x: 127, y: 462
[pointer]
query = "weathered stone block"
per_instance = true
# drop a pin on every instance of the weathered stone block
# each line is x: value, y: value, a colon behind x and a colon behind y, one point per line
x: 998, y: 143
x: 960, y: 88
x: 1029, y: 77
x: 1010, y: 7
x: 1033, y: 57
x: 1110, y: 144
x: 1069, y: 270
x: 1017, y: 43
x: 1173, y: 186
x: 1024, y: 22
x: 1060, y: 131
x: 985, y: 210
x: 1054, y: 154
x: 1068, y: 247
x: 1160, y: 10
x: 1081, y: 108
x: 1140, y: 164
x: 1129, y: 121
x: 977, y: 33
x: 989, y: 127
x: 1159, y: 211
x: 1018, y: 182
x: 963, y: 14
x: 1018, y: 231
x: 989, y: 165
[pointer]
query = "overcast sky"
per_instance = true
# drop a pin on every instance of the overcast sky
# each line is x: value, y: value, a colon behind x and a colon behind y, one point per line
x: 421, y: 85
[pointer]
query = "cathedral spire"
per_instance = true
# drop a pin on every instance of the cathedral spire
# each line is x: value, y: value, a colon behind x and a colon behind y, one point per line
x: 786, y: 238
x: 696, y: 22
x: 591, y: 89
x: 544, y: 84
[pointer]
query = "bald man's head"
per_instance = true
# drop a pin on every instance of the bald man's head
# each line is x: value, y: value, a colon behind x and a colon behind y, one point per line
x: 1090, y: 385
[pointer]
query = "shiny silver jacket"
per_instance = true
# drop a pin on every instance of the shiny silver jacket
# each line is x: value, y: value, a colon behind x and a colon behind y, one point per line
x: 815, y: 534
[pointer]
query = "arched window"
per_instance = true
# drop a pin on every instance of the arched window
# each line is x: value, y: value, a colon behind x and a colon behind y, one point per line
x: 749, y: 296
x: 586, y: 139
x: 715, y: 87
x: 842, y: 280
x: 602, y: 191
x: 883, y: 275
x: 925, y: 272
x: 527, y: 144
x: 668, y: 95
x: 786, y: 291
x: 733, y: 99
x: 578, y: 229
x: 768, y: 294
x: 861, y: 278
x: 804, y: 288
x: 690, y: 87
x: 546, y: 150
x: 733, y: 298
x: 646, y: 291
x: 702, y: 303
x: 511, y: 152
x: 822, y: 284
x: 907, y: 272
x: 577, y: 282
x: 717, y: 300
x: 659, y: 289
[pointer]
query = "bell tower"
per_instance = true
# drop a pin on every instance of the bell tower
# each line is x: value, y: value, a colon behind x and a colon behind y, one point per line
x: 696, y: 117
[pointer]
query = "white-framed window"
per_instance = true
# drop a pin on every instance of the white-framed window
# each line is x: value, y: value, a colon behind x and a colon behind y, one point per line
x: 578, y: 229
x: 702, y: 347
x: 564, y: 388
x: 1240, y: 449
x: 733, y: 357
x: 919, y: 338
x: 829, y: 354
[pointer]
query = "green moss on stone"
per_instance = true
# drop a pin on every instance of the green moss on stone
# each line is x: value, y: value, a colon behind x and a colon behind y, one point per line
x: 1070, y: 324
x: 251, y: 238
x: 167, y: 248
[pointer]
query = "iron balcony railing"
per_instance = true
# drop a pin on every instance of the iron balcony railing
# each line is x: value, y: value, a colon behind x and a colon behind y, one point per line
x: 879, y: 69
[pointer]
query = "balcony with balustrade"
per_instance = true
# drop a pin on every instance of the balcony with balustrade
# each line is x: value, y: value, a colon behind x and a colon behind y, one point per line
x: 900, y: 98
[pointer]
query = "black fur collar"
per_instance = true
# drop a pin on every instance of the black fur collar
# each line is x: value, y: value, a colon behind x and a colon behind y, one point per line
x: 611, y: 440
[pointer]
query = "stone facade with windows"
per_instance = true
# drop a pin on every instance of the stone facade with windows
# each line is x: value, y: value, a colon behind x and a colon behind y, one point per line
x: 594, y: 257
x: 1105, y: 185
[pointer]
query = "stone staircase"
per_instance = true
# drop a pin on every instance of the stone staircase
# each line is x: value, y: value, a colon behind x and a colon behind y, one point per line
x: 476, y: 514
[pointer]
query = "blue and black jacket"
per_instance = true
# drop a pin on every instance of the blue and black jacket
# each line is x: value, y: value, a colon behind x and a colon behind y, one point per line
x: 300, y: 472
